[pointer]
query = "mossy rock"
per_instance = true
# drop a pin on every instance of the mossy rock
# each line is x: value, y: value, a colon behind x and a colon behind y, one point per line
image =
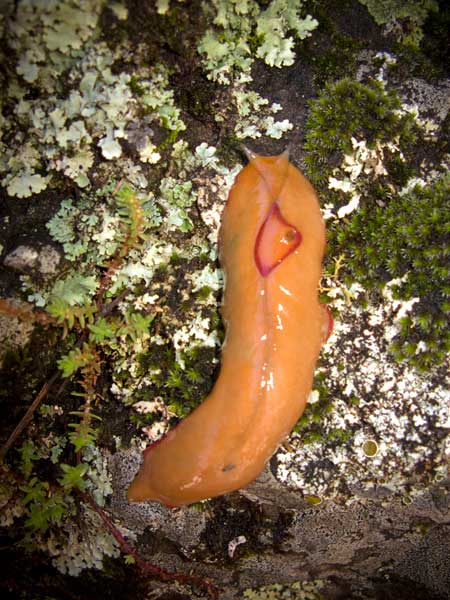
x: 408, y: 241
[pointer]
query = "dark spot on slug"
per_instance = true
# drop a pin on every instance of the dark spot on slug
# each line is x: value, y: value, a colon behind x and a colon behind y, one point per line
x: 228, y: 467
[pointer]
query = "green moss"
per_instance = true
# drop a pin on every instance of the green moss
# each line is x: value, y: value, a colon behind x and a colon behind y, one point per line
x: 309, y: 422
x: 181, y: 389
x: 204, y: 292
x: 342, y: 435
x: 408, y: 241
x: 348, y: 109
x: 311, y: 437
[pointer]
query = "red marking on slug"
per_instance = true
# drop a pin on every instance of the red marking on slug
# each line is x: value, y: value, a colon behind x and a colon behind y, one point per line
x: 328, y: 322
x: 276, y: 239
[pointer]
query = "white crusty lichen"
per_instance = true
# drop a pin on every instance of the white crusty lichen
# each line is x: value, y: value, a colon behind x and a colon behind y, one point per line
x: 207, y: 277
x: 363, y: 163
x: 407, y: 415
x: 196, y: 333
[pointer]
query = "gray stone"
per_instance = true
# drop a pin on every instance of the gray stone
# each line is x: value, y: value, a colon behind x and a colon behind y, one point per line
x: 27, y: 258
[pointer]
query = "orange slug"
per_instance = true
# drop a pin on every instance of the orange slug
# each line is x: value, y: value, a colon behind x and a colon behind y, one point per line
x: 271, y: 244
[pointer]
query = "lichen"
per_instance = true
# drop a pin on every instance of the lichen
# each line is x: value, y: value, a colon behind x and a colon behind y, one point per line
x: 392, y: 12
x: 243, y: 31
x: 298, y: 590
x: 228, y: 47
x: 362, y: 396
x: 61, y: 129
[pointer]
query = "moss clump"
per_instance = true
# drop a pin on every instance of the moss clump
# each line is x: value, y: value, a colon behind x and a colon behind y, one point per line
x: 181, y: 388
x: 408, y: 242
x: 348, y: 109
x: 316, y: 409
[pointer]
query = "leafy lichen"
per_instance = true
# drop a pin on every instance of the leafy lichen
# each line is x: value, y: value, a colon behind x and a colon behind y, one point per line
x: 391, y: 12
x: 61, y: 128
x: 242, y: 32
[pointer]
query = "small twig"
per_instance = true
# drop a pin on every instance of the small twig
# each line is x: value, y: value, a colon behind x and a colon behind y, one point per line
x: 200, y: 582
x: 28, y: 415
x: 108, y: 308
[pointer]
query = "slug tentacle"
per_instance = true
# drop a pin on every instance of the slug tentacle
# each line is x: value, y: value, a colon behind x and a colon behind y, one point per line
x: 271, y: 243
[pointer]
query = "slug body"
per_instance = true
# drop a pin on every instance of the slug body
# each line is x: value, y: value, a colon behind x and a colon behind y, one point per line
x: 272, y: 240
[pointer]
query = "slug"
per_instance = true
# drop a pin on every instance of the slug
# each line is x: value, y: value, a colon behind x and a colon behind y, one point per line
x: 271, y: 244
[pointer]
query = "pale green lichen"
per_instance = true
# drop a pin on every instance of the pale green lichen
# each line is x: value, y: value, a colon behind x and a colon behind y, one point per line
x: 227, y: 48
x: 272, y: 25
x: 228, y: 55
x: 60, y: 130
x: 163, y: 6
x: 91, y: 226
x: 73, y: 550
x: 175, y: 198
x: 59, y: 31
x: 26, y: 183
x: 255, y: 115
x: 391, y: 12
